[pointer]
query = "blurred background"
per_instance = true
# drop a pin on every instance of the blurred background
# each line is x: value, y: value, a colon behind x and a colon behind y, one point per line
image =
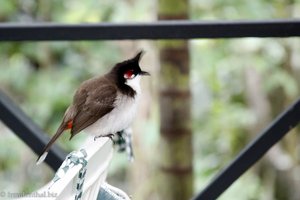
x: 205, y: 99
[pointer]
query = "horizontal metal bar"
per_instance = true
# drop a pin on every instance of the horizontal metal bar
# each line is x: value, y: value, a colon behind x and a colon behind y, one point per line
x: 152, y: 31
x: 15, y: 119
x: 252, y: 153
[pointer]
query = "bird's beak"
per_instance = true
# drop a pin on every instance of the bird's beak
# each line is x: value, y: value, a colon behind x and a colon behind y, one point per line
x: 143, y: 73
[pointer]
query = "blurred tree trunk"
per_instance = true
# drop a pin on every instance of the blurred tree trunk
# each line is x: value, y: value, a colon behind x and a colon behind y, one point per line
x: 175, y: 171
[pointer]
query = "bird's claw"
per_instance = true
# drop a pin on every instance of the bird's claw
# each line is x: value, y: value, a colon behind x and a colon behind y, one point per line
x: 110, y: 135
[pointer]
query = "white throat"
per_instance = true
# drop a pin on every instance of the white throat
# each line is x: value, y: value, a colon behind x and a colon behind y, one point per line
x: 134, y: 83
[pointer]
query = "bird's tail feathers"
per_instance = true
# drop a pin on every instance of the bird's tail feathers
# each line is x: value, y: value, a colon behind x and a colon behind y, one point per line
x: 44, y: 154
x: 42, y: 158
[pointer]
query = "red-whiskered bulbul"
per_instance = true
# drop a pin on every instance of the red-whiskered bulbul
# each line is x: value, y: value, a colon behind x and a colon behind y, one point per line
x: 103, y: 105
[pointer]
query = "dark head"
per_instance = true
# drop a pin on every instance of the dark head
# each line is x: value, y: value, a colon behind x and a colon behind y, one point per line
x: 128, y: 71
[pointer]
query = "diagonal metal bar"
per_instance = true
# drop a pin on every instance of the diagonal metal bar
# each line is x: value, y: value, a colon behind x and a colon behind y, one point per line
x: 252, y: 153
x: 15, y: 119
x: 153, y: 30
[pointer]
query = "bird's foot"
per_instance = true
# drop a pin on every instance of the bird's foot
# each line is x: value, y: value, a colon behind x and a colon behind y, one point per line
x: 110, y: 135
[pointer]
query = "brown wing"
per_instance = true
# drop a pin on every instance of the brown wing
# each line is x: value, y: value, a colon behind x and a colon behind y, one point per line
x: 92, y: 101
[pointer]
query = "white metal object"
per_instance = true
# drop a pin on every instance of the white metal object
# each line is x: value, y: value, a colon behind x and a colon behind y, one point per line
x: 99, y: 154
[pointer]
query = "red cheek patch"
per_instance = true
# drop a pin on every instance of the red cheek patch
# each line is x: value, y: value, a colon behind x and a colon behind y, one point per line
x: 129, y: 74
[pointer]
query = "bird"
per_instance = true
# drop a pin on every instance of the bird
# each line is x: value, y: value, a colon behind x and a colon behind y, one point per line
x: 103, y: 105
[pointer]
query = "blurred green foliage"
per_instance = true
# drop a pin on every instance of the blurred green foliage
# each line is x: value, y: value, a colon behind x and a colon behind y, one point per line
x: 42, y: 77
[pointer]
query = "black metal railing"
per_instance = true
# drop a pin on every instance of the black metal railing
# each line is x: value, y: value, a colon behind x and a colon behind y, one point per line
x: 28, y: 131
x: 22, y: 126
x: 151, y: 31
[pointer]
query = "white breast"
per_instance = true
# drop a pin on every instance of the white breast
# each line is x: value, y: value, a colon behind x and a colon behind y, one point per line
x: 121, y: 116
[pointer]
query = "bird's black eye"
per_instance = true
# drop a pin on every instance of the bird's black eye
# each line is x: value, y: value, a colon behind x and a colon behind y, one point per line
x: 129, y: 74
